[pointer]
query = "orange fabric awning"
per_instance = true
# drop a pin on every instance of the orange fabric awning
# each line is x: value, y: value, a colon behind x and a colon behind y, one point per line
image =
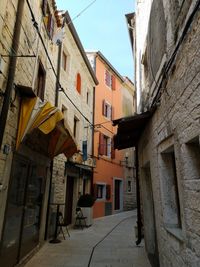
x: 49, y: 120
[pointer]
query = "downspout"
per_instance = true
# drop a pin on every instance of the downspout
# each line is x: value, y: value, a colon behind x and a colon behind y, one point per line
x: 139, y: 221
x: 92, y: 178
x: 52, y: 163
x: 11, y: 69
x: 94, y: 92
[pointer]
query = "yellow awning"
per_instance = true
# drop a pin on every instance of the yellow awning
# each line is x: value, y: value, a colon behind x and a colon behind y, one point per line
x: 36, y: 114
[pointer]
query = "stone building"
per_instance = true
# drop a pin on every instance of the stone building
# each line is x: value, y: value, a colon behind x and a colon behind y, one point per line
x: 129, y: 109
x: 166, y: 130
x: 34, y: 100
x: 74, y: 175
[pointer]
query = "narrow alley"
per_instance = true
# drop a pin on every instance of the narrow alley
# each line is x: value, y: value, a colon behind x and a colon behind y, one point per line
x: 109, y: 242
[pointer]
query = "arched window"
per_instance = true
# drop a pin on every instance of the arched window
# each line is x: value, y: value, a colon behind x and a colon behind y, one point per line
x: 78, y: 83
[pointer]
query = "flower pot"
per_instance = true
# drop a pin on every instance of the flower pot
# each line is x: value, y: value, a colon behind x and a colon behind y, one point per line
x: 88, y: 212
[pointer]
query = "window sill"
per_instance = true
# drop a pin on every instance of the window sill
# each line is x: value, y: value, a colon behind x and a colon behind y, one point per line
x: 176, y: 232
x: 100, y: 199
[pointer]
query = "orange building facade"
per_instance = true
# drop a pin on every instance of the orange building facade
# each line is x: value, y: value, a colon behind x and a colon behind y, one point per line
x: 108, y: 177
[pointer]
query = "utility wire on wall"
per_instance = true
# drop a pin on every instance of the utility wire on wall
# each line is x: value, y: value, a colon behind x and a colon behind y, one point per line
x: 174, y: 54
x: 35, y: 24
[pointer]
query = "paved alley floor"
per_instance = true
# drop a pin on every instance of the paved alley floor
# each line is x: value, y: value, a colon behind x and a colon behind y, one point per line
x: 109, y: 242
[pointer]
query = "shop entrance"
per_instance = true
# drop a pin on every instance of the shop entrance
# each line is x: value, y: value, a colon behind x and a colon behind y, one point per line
x: 69, y: 199
x: 22, y: 219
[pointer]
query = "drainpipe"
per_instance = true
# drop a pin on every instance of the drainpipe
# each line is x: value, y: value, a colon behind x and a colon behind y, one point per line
x: 52, y: 163
x: 92, y: 178
x: 11, y: 69
x: 58, y: 74
x: 139, y: 221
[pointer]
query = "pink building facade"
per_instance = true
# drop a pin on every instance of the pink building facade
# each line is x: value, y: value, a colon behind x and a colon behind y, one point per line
x: 108, y: 178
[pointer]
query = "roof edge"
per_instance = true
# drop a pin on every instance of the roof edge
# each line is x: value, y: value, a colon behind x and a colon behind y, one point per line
x: 80, y: 46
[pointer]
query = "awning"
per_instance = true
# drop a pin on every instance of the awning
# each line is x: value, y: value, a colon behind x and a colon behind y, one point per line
x: 84, y: 167
x: 130, y: 129
x: 35, y: 114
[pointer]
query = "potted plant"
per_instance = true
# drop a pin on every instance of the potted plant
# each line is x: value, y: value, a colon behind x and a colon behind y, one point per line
x: 86, y: 203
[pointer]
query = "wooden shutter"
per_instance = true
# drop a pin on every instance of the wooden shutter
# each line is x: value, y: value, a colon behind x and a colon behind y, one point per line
x: 101, y: 144
x: 112, y: 113
x: 112, y: 150
x: 44, y: 7
x: 103, y: 108
x: 51, y: 26
x: 107, y: 77
x: 108, y: 191
x: 95, y: 191
x: 113, y: 80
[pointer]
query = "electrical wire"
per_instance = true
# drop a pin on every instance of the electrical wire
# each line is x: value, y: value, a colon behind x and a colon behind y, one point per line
x: 35, y: 24
x: 63, y: 91
x: 79, y: 14
x: 173, y: 56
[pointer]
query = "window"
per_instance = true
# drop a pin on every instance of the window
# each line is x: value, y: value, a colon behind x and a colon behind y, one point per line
x: 107, y: 110
x: 110, y: 80
x: 78, y: 83
x: 170, y: 192
x: 48, y: 19
x: 105, y: 145
x: 192, y: 158
x: 64, y: 61
x: 129, y: 186
x: 64, y: 111
x: 100, y: 191
x: 40, y: 83
x: 88, y: 98
x: 75, y: 131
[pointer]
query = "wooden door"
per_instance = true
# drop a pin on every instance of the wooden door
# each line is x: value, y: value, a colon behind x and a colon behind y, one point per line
x: 69, y: 199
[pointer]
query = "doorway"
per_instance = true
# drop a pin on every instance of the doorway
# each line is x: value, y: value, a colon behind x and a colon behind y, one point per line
x: 69, y: 199
x: 23, y: 212
x: 149, y: 216
x: 118, y: 194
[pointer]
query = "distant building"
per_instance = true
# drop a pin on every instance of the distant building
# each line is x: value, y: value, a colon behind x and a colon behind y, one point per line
x: 129, y: 109
x: 111, y: 183
x: 166, y: 130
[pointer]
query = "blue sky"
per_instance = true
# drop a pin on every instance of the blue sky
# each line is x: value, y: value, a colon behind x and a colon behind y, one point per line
x: 103, y: 27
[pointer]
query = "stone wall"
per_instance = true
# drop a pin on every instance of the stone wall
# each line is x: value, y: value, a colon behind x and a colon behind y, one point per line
x: 175, y: 129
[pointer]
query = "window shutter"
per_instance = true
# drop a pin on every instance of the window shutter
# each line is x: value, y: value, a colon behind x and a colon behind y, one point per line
x: 44, y: 7
x: 112, y: 150
x: 103, y: 108
x: 51, y: 29
x: 113, y: 82
x: 108, y: 191
x: 101, y: 144
x: 112, y: 113
x: 78, y: 82
x: 106, y: 77
x: 95, y: 190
